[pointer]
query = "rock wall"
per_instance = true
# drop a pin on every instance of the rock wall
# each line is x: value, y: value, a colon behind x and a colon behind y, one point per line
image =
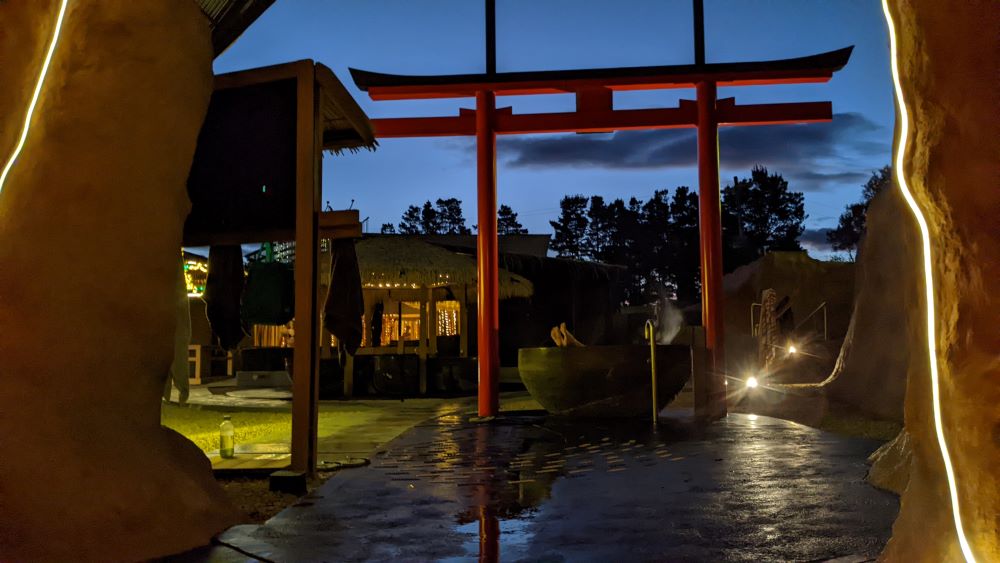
x: 90, y: 224
x: 949, y: 56
x: 886, y: 339
x: 808, y: 282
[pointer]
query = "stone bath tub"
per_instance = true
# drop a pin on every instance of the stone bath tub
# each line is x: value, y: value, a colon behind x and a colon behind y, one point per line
x: 603, y: 381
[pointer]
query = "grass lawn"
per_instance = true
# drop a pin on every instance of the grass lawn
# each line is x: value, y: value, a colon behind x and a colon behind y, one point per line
x: 201, y: 424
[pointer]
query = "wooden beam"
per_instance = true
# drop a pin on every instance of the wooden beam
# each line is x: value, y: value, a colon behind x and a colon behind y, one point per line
x: 595, y: 121
x: 307, y: 204
x: 770, y: 114
x: 340, y: 224
x: 569, y: 86
x: 425, y: 126
x: 594, y: 100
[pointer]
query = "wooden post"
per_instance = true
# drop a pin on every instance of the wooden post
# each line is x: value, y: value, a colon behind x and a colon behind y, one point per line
x: 400, y: 343
x: 432, y: 322
x: 487, y: 257
x: 307, y: 205
x: 463, y: 323
x: 349, y: 377
x: 422, y: 346
x: 710, y: 229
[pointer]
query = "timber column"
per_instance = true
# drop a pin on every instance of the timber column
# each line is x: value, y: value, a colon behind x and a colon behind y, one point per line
x: 486, y: 256
x: 710, y: 229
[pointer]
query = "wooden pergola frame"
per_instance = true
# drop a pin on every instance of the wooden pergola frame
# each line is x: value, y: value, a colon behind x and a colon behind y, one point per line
x: 317, y: 91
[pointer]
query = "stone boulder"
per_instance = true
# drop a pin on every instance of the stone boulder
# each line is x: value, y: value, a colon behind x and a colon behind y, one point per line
x: 891, y: 464
x: 91, y: 219
x: 949, y: 56
x: 886, y: 338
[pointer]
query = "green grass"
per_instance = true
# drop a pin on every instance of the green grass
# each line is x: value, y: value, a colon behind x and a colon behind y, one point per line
x: 201, y: 425
x: 352, y: 422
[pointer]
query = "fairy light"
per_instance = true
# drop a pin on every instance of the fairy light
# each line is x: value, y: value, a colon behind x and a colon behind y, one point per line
x: 900, y: 161
x: 34, y: 97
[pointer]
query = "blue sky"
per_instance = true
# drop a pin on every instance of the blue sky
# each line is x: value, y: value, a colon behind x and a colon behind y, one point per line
x: 829, y: 162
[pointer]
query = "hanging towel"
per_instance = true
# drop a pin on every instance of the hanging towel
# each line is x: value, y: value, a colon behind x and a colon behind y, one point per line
x: 178, y: 376
x: 270, y: 295
x: 223, y: 291
x: 344, y: 310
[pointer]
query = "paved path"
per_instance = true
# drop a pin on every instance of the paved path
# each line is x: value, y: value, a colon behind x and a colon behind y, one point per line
x: 532, y: 488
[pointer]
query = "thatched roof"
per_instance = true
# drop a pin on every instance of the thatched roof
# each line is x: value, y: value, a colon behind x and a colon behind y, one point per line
x: 228, y: 19
x: 399, y: 262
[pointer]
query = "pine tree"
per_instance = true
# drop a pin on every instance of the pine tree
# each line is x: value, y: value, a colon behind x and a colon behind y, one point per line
x: 507, y: 223
x: 569, y: 240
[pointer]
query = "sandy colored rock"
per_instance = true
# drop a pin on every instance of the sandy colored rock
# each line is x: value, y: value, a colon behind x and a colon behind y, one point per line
x: 808, y: 283
x: 91, y: 220
x: 949, y: 55
x: 886, y: 337
x: 891, y: 464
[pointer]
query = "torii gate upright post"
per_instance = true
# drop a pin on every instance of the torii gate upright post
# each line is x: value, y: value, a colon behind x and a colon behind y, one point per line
x: 595, y: 113
x: 487, y: 253
x: 710, y: 230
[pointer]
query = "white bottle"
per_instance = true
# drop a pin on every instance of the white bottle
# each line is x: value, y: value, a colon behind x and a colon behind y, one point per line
x: 227, y: 438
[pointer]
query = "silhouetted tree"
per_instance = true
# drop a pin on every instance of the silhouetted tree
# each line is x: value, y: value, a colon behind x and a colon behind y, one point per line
x: 570, y: 239
x: 759, y: 213
x: 684, y: 273
x: 507, y: 223
x: 410, y: 223
x: 851, y: 225
x: 450, y: 220
x: 388, y: 229
x: 444, y: 217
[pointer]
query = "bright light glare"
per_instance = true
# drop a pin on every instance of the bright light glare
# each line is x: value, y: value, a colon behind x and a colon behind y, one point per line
x: 792, y: 349
x: 752, y: 417
x: 751, y: 382
x: 925, y: 235
x: 34, y: 97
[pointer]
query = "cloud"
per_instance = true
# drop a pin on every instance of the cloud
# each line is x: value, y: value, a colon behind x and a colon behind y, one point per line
x: 812, y: 156
x: 815, y: 239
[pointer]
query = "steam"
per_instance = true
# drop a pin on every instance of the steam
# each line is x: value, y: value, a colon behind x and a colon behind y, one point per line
x: 668, y: 321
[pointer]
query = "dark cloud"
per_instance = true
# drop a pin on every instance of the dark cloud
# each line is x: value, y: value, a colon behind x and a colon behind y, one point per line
x: 815, y: 239
x: 812, y: 155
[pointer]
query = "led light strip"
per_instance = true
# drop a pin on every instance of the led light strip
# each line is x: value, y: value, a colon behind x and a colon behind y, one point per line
x: 925, y: 235
x: 34, y: 97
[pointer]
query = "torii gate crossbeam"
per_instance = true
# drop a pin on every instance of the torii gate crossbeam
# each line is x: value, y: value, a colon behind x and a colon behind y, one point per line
x: 594, y: 90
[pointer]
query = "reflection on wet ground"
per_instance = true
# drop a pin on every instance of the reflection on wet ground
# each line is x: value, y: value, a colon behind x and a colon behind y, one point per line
x: 537, y: 488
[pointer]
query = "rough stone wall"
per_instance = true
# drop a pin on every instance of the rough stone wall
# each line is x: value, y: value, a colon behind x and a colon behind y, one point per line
x: 949, y: 56
x: 90, y: 225
x: 808, y: 282
x: 887, y: 338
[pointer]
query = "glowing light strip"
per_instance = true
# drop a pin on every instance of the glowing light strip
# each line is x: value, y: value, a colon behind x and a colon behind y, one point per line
x: 925, y: 235
x: 34, y: 97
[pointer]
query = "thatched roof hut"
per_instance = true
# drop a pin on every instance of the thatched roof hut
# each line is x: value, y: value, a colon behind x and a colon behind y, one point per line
x: 404, y: 262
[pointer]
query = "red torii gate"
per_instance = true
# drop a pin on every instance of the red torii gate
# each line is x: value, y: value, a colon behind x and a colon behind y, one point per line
x: 595, y: 113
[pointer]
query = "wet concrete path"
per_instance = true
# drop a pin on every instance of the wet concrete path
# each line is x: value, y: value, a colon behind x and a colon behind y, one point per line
x: 535, y: 488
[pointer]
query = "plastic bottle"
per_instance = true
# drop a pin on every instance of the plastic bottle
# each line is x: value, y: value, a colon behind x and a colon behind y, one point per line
x: 227, y: 438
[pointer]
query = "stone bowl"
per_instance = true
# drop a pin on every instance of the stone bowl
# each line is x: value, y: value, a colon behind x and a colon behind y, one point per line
x: 603, y: 381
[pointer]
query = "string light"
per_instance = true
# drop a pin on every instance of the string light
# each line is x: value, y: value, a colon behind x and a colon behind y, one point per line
x: 925, y: 235
x: 35, y: 95
x: 195, y: 277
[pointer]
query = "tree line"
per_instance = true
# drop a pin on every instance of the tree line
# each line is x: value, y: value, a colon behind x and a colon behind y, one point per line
x: 658, y: 238
x: 445, y: 217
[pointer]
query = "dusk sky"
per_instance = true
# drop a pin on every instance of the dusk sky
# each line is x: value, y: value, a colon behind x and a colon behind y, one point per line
x: 828, y: 161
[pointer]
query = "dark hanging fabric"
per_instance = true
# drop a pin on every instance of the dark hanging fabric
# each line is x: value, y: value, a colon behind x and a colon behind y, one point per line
x: 345, y: 304
x: 270, y: 295
x: 223, y: 291
x: 376, y: 324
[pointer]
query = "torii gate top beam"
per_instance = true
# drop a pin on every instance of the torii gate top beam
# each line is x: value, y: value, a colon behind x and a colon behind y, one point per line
x: 810, y: 69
